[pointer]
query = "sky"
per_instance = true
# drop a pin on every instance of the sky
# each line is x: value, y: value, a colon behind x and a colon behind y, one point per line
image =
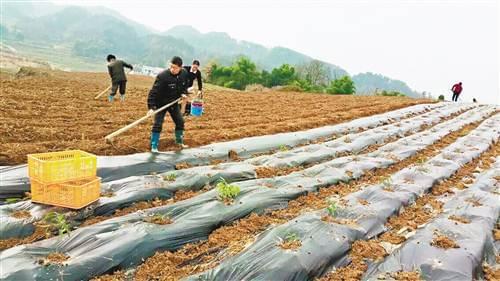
x: 430, y: 45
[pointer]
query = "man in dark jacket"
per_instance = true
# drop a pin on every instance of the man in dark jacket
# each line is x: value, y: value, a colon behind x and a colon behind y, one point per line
x: 170, y: 84
x: 118, y: 78
x: 193, y: 73
x: 456, y: 89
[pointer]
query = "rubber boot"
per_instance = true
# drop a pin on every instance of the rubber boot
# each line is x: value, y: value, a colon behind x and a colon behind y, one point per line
x: 155, y: 141
x: 122, y: 98
x: 111, y: 98
x: 179, y: 139
x: 187, y: 112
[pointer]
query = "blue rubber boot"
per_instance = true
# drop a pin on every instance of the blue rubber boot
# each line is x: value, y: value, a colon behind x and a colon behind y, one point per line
x: 155, y: 141
x: 111, y: 98
x: 179, y: 139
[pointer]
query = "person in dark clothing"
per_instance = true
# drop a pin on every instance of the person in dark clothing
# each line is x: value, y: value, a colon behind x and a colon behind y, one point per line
x: 193, y: 73
x: 456, y: 89
x: 170, y: 84
x: 118, y: 77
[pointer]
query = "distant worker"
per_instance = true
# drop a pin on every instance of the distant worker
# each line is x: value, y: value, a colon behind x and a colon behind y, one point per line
x: 193, y: 73
x: 474, y: 100
x: 170, y: 84
x: 118, y: 77
x: 456, y: 89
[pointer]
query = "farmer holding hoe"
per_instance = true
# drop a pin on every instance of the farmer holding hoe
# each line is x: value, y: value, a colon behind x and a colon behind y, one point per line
x: 118, y: 78
x: 170, y: 85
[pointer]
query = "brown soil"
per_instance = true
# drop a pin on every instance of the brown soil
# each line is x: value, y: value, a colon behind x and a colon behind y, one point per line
x: 475, y: 202
x: 233, y: 155
x: 459, y: 219
x: 128, y: 210
x: 392, y: 237
x: 348, y: 222
x: 370, y: 249
x: 416, y: 214
x: 117, y: 276
x: 183, y: 165
x: 39, y: 234
x: 158, y: 219
x: 21, y: 214
x: 184, y: 194
x: 269, y: 172
x: 107, y: 194
x: 496, y: 234
x: 354, y: 271
x: 406, y: 276
x: 290, y: 245
x: 444, y: 242
x: 54, y: 258
x: 31, y: 125
x: 361, y: 251
x: 363, y: 202
x: 483, y: 162
x: 491, y: 274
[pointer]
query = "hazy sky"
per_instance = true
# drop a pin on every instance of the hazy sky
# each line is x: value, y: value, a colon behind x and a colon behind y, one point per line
x: 428, y: 44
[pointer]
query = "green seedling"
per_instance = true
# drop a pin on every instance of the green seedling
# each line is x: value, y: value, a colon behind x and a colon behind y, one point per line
x: 291, y: 237
x: 420, y: 165
x: 170, y: 177
x: 421, y: 161
x: 283, y: 148
x: 227, y: 191
x: 57, y: 221
x: 12, y: 200
x: 332, y: 208
x: 386, y: 182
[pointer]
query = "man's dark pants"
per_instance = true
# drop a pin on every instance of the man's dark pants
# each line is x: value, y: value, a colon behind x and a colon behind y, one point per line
x: 175, y: 113
x: 122, y: 85
x: 455, y: 97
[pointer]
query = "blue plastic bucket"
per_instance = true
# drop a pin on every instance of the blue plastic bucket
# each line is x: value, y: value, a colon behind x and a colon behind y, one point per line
x: 197, y: 108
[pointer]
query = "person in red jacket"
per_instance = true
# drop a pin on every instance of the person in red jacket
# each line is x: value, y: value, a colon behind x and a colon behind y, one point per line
x: 456, y: 89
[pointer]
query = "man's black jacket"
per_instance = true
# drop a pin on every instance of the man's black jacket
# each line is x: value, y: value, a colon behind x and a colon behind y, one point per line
x: 167, y: 88
x: 116, y: 72
x: 192, y: 76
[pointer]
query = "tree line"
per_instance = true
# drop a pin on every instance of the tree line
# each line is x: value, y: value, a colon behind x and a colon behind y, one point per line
x: 309, y: 77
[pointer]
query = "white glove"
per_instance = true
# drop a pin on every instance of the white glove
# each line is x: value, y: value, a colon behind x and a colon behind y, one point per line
x: 150, y: 112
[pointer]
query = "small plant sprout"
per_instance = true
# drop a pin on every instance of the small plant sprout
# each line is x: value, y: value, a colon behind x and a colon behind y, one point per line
x: 58, y: 222
x: 283, y: 148
x: 332, y: 208
x: 227, y: 191
x: 420, y: 165
x: 12, y: 200
x: 170, y: 177
x: 291, y: 237
x: 386, y: 182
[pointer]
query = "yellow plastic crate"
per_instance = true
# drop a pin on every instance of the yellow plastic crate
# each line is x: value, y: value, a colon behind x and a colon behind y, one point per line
x: 72, y: 194
x: 56, y: 167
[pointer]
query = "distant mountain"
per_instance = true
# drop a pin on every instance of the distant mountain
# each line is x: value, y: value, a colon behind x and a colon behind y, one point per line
x: 215, y: 43
x: 368, y: 83
x: 16, y: 14
x: 94, y: 32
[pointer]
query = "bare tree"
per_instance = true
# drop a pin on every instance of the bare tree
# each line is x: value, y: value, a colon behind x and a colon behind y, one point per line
x: 315, y: 71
